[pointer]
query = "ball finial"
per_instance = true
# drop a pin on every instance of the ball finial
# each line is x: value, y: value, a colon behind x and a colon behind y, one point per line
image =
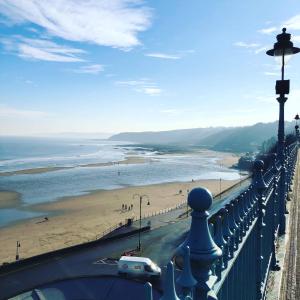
x: 200, y: 199
x: 258, y: 165
x: 283, y: 29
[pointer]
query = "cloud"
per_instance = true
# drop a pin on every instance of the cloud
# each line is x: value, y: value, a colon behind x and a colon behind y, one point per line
x: 163, y: 56
x: 152, y: 91
x: 261, y: 49
x: 114, y: 23
x: 145, y: 86
x: 268, y: 30
x: 292, y: 23
x: 271, y: 73
x: 296, y: 38
x: 90, y: 69
x: 246, y: 45
x: 131, y: 82
x: 6, y: 111
x: 41, y: 49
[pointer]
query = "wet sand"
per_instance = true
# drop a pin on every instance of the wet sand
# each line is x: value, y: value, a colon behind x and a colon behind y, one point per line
x: 9, y: 199
x: 128, y: 160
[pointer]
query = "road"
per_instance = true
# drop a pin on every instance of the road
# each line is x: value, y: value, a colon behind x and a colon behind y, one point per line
x: 158, y: 244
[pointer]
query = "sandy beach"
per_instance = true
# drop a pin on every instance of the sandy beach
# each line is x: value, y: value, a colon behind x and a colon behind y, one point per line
x: 82, y: 218
x: 128, y: 160
x: 78, y: 219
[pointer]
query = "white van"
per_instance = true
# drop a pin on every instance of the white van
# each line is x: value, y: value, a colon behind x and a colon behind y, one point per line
x: 138, y: 266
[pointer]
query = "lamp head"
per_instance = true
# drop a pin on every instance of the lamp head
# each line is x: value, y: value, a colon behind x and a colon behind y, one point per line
x: 284, y: 46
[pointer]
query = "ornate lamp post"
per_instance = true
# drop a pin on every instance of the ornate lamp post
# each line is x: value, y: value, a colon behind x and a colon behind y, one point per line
x: 281, y: 48
x: 17, y: 250
x: 297, y: 127
x: 148, y: 203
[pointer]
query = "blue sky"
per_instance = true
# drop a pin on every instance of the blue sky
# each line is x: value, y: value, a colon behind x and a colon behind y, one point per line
x: 121, y: 65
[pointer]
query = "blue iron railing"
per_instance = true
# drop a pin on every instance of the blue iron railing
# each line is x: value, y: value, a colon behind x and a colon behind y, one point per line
x: 229, y: 255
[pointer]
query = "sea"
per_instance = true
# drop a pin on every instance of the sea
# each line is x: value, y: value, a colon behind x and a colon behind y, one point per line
x: 21, y: 153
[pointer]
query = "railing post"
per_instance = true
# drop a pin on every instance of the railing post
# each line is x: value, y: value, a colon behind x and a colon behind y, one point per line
x: 281, y: 200
x: 186, y: 279
x: 169, y: 285
x: 148, y: 291
x: 204, y: 251
x: 274, y: 264
x: 228, y: 235
x: 260, y: 186
x: 222, y: 244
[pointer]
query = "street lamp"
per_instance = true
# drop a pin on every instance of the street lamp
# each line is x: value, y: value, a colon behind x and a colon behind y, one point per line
x: 282, y: 48
x: 17, y: 251
x: 187, y: 205
x: 297, y: 127
x: 141, y: 197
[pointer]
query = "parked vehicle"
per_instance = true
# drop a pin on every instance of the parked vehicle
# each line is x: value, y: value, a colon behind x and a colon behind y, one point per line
x: 138, y: 266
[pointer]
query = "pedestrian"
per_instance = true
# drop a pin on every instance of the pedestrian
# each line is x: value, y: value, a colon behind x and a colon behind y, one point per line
x: 125, y: 206
x: 131, y: 206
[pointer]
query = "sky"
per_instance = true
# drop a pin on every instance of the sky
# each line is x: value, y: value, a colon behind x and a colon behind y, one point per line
x: 131, y: 65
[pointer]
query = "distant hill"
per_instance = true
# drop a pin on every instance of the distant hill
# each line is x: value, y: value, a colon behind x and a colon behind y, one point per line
x: 231, y: 139
x: 179, y: 137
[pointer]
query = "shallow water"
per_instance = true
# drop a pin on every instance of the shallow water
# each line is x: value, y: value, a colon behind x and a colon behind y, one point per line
x: 46, y: 187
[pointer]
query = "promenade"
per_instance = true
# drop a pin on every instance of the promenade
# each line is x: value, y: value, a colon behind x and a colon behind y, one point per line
x: 290, y: 286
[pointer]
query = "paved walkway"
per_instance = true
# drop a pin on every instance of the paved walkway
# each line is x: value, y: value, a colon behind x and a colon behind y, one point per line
x: 290, y: 284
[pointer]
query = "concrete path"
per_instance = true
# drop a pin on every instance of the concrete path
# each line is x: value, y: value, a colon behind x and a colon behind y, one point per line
x: 290, y: 283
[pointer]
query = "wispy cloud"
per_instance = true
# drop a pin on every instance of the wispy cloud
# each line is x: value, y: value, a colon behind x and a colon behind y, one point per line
x: 271, y: 73
x: 292, y: 23
x: 90, y: 69
x: 144, y: 86
x: 261, y: 49
x: 40, y: 49
x: 268, y: 30
x: 163, y: 55
x: 246, y: 45
x: 152, y: 91
x: 114, y: 23
x: 296, y: 38
x: 7, y: 111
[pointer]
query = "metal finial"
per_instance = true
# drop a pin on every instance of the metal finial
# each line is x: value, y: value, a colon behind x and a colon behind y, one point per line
x: 186, y: 278
x: 148, y: 288
x: 169, y: 286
